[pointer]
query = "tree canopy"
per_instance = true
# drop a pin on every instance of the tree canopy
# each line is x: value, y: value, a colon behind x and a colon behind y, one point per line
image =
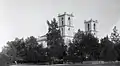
x: 84, y: 47
x: 55, y: 42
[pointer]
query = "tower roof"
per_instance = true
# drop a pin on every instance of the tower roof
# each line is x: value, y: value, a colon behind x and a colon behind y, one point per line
x: 59, y: 15
x: 91, y: 20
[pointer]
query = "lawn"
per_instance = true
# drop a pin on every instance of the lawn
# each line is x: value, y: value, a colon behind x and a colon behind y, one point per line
x: 71, y: 65
x: 76, y: 64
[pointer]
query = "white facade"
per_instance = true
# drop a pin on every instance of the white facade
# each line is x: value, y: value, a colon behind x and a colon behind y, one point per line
x: 65, y: 24
x: 42, y: 40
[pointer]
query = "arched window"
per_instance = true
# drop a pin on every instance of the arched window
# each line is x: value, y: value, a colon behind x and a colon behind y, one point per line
x: 62, y: 20
x: 68, y: 18
x: 69, y: 21
x: 62, y: 31
x: 94, y: 26
x: 62, y: 23
x: 88, y: 27
x: 68, y: 28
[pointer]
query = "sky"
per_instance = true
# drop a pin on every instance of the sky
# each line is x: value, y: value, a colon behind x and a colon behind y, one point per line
x: 24, y: 18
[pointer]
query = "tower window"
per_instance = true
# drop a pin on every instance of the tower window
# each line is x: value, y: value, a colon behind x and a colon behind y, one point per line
x: 62, y: 31
x: 62, y: 22
x: 68, y: 18
x: 94, y: 26
x: 88, y: 27
x: 62, y: 18
x: 68, y: 28
x: 69, y: 21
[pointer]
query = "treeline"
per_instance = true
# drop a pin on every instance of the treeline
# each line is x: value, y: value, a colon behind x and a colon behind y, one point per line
x: 84, y: 47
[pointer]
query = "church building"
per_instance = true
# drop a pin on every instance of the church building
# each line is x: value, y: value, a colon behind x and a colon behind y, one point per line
x: 65, y: 23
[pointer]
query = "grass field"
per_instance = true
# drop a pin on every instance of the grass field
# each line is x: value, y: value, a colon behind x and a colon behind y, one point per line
x: 85, y: 63
x: 72, y: 65
x: 76, y: 64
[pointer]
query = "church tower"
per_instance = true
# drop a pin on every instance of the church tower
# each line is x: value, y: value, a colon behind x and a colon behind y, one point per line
x: 66, y: 26
x: 91, y: 26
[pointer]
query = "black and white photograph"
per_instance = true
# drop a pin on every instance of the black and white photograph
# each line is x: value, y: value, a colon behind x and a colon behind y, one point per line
x: 59, y: 32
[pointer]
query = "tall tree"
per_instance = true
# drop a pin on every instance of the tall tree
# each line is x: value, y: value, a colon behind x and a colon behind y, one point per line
x: 74, y: 50
x: 55, y: 41
x: 27, y: 50
x: 117, y: 49
x: 115, y: 37
x: 34, y: 51
x: 30, y: 44
x: 108, y: 52
x: 11, y: 52
x: 85, y: 46
x: 14, y: 49
x: 4, y: 60
x: 90, y: 45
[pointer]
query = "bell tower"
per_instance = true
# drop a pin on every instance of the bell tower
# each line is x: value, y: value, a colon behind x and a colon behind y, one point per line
x: 66, y: 26
x: 91, y: 26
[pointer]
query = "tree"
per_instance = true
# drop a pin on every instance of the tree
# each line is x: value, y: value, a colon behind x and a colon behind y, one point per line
x: 4, y: 60
x: 90, y: 46
x: 85, y: 46
x: 10, y: 52
x: 108, y: 52
x: 74, y: 50
x: 115, y: 37
x: 55, y: 42
x: 30, y: 45
x: 13, y: 49
x: 41, y: 53
x: 34, y: 52
x: 117, y: 49
x: 23, y: 51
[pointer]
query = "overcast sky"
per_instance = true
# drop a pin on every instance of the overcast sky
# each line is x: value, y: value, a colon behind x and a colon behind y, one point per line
x: 23, y: 18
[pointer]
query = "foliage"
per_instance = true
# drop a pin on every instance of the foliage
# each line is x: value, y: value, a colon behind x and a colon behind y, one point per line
x: 115, y: 37
x: 13, y: 49
x: 74, y: 50
x: 55, y: 42
x: 117, y: 49
x: 4, y: 60
x: 90, y: 47
x: 108, y: 52
x: 85, y: 47
x: 27, y: 50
